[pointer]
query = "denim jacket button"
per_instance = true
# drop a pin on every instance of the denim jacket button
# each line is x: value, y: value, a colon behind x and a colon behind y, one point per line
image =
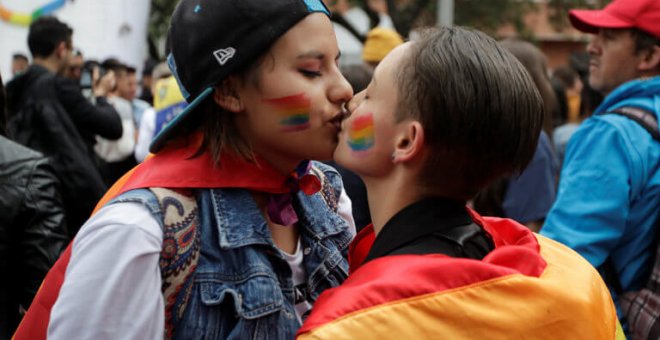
x: 288, y: 314
x: 307, y: 251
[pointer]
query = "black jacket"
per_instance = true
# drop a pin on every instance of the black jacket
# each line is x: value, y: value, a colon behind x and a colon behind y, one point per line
x: 49, y: 114
x: 433, y: 225
x: 90, y: 120
x: 32, y: 230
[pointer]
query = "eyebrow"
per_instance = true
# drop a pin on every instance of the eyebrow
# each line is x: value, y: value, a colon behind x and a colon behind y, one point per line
x: 315, y: 55
x: 311, y: 55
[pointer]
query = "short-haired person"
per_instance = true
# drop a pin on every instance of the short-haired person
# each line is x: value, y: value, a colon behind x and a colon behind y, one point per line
x: 118, y: 154
x: 253, y: 229
x: 570, y: 79
x: 379, y: 42
x: 148, y: 81
x: 76, y: 64
x: 48, y: 113
x: 139, y: 105
x: 19, y: 63
x: 608, y: 202
x: 435, y: 126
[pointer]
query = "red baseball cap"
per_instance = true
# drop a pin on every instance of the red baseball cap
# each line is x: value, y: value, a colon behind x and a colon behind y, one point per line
x: 641, y: 14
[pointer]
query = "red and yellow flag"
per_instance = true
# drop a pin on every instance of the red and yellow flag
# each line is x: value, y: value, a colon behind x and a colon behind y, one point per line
x: 529, y: 287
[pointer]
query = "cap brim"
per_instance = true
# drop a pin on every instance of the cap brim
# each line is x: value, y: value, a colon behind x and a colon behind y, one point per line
x: 171, y: 129
x: 590, y: 21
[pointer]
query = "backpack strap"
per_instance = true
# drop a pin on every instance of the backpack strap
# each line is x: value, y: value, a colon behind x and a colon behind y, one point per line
x: 649, y: 122
x: 644, y: 118
x: 180, y: 252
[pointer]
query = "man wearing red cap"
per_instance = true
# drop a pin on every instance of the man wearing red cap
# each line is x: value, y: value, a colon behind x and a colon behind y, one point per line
x: 608, y: 202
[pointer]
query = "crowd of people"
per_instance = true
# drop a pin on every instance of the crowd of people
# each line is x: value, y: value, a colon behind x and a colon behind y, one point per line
x: 361, y: 184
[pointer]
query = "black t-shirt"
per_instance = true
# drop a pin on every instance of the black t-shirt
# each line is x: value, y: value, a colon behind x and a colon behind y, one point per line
x: 432, y: 226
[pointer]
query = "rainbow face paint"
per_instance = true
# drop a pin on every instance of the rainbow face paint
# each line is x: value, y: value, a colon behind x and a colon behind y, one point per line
x: 361, y: 133
x: 293, y: 112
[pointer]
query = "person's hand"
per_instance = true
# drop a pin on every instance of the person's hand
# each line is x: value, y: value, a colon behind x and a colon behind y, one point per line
x: 104, y: 85
x: 378, y: 6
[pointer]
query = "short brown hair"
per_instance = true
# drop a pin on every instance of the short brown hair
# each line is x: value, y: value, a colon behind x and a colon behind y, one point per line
x: 480, y: 109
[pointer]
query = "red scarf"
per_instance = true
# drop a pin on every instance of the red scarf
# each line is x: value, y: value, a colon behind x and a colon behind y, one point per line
x: 174, y: 167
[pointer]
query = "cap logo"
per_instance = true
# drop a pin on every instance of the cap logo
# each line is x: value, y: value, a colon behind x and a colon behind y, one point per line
x: 224, y: 54
x: 317, y: 6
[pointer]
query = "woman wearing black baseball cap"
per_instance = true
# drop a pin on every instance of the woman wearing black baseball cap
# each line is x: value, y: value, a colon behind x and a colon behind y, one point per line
x: 228, y: 231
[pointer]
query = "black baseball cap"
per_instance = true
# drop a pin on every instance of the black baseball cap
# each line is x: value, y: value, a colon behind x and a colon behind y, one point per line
x: 211, y: 40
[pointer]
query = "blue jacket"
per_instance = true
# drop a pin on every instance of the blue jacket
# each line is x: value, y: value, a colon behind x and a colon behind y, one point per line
x: 608, y: 200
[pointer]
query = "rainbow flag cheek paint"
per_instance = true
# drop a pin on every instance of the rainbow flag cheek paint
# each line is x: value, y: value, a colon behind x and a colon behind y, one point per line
x: 293, y: 112
x: 361, y: 133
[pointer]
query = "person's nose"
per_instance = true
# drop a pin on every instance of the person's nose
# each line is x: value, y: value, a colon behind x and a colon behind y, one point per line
x: 356, y: 101
x: 594, y: 46
x: 340, y: 91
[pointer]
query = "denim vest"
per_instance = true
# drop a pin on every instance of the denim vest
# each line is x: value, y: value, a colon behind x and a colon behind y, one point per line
x: 242, y: 287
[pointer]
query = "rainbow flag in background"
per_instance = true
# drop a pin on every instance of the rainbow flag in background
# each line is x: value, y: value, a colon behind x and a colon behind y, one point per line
x: 25, y: 19
x: 293, y: 112
x: 361, y: 133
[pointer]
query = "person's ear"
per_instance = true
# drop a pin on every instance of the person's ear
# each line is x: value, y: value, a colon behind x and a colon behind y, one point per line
x: 409, y: 142
x: 226, y: 95
x: 650, y: 59
x: 60, y: 50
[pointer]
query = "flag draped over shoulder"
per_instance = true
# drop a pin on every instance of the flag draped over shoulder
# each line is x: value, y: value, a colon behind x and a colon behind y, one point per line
x: 177, y: 166
x: 529, y: 287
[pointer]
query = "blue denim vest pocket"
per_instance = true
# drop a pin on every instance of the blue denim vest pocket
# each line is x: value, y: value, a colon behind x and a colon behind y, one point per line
x: 253, y: 298
x: 238, y: 307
